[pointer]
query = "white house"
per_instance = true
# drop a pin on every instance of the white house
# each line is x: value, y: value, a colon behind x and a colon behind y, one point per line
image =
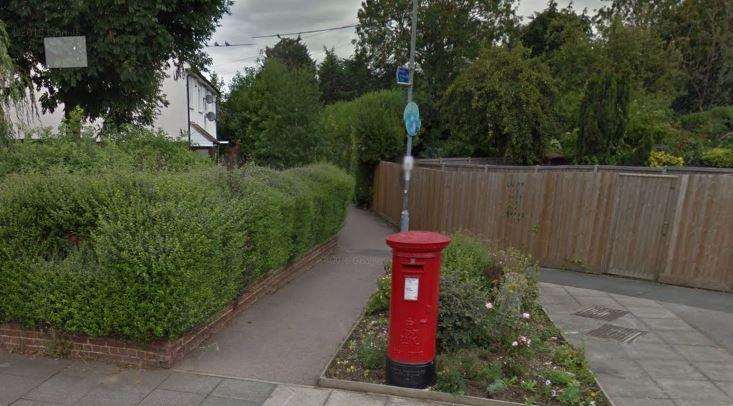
x: 190, y: 115
x: 192, y: 111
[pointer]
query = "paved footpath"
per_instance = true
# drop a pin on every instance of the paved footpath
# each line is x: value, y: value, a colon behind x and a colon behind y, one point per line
x: 45, y: 381
x: 286, y: 337
x: 684, y: 356
x: 291, y: 335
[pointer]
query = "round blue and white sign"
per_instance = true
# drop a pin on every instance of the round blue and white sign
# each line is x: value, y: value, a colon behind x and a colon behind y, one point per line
x: 412, y: 119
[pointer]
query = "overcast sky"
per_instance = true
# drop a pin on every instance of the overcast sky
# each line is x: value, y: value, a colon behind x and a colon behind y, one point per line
x: 263, y: 17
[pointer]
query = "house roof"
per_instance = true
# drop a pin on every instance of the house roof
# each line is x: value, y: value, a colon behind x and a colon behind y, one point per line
x: 206, y: 134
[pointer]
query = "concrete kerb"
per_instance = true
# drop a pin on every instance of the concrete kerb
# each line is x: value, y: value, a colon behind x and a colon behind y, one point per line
x: 422, y: 394
x: 380, y: 389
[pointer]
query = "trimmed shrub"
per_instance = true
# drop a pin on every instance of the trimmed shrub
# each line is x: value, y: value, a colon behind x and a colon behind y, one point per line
x: 128, y: 147
x: 363, y: 132
x: 719, y: 157
x: 147, y: 255
x: 661, y: 158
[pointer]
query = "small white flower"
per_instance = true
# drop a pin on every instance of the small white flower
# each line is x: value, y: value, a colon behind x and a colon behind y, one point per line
x: 514, y: 343
x: 522, y: 339
x: 548, y: 383
x: 489, y: 305
x: 554, y: 393
x: 525, y: 315
x: 529, y: 341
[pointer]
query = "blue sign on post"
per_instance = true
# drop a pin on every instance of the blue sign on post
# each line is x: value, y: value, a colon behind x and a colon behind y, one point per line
x: 412, y: 119
x: 403, y: 76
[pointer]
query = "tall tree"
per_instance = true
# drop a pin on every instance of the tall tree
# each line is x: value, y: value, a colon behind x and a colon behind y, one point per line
x: 701, y: 31
x: 129, y: 44
x: 292, y: 53
x: 360, y: 77
x: 281, y: 110
x: 564, y: 40
x: 233, y: 118
x: 604, y: 114
x: 331, y: 77
x: 501, y: 106
x: 553, y: 28
x: 450, y: 36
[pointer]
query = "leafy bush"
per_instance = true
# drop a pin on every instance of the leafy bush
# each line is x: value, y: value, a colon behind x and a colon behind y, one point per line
x: 662, y: 158
x: 501, y: 105
x: 146, y: 255
x: 712, y: 123
x: 467, y: 258
x: 379, y: 301
x: 462, y: 316
x: 282, y: 111
x: 719, y: 157
x: 372, y: 351
x: 363, y: 132
x: 128, y: 147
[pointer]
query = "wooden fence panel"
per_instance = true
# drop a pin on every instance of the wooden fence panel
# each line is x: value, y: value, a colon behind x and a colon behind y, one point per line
x: 677, y: 228
x: 640, y: 225
x: 701, y: 251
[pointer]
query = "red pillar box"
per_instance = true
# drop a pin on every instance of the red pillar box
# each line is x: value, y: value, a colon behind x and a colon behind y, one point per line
x: 413, y: 309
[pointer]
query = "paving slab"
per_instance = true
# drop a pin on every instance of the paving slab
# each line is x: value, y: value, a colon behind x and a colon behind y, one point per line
x: 643, y: 351
x: 217, y: 401
x: 624, y: 401
x: 695, y: 390
x: 100, y: 396
x: 716, y: 371
x: 12, y: 387
x: 698, y: 353
x: 193, y: 383
x: 25, y: 402
x: 630, y: 387
x: 674, y: 362
x: 63, y: 388
x: 342, y: 398
x: 244, y: 390
x: 667, y: 368
x: 162, y: 397
x: 297, y: 396
x: 291, y: 335
x: 37, y: 367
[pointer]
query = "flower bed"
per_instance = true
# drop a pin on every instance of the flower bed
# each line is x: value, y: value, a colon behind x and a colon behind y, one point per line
x: 494, y: 339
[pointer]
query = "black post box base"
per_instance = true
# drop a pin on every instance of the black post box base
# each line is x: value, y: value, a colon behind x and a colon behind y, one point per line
x: 417, y: 376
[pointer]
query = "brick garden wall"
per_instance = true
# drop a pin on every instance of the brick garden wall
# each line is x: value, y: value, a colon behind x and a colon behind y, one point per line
x: 163, y: 354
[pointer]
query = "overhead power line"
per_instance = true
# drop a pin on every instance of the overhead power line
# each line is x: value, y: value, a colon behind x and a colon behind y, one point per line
x: 226, y: 44
x: 306, y: 32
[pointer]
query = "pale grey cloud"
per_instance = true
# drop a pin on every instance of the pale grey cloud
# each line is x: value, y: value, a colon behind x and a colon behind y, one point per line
x: 261, y: 17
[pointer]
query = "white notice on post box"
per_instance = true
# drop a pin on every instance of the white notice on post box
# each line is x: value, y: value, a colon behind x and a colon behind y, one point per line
x: 411, y: 287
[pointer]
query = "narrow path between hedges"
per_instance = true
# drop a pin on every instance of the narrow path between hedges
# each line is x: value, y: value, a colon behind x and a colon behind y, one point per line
x: 291, y: 335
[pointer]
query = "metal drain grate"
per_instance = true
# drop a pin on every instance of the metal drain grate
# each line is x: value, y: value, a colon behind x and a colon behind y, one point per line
x: 616, y: 333
x: 601, y: 313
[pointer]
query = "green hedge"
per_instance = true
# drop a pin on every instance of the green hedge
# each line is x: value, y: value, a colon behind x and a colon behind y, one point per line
x: 145, y: 255
x: 364, y: 131
x: 128, y: 148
